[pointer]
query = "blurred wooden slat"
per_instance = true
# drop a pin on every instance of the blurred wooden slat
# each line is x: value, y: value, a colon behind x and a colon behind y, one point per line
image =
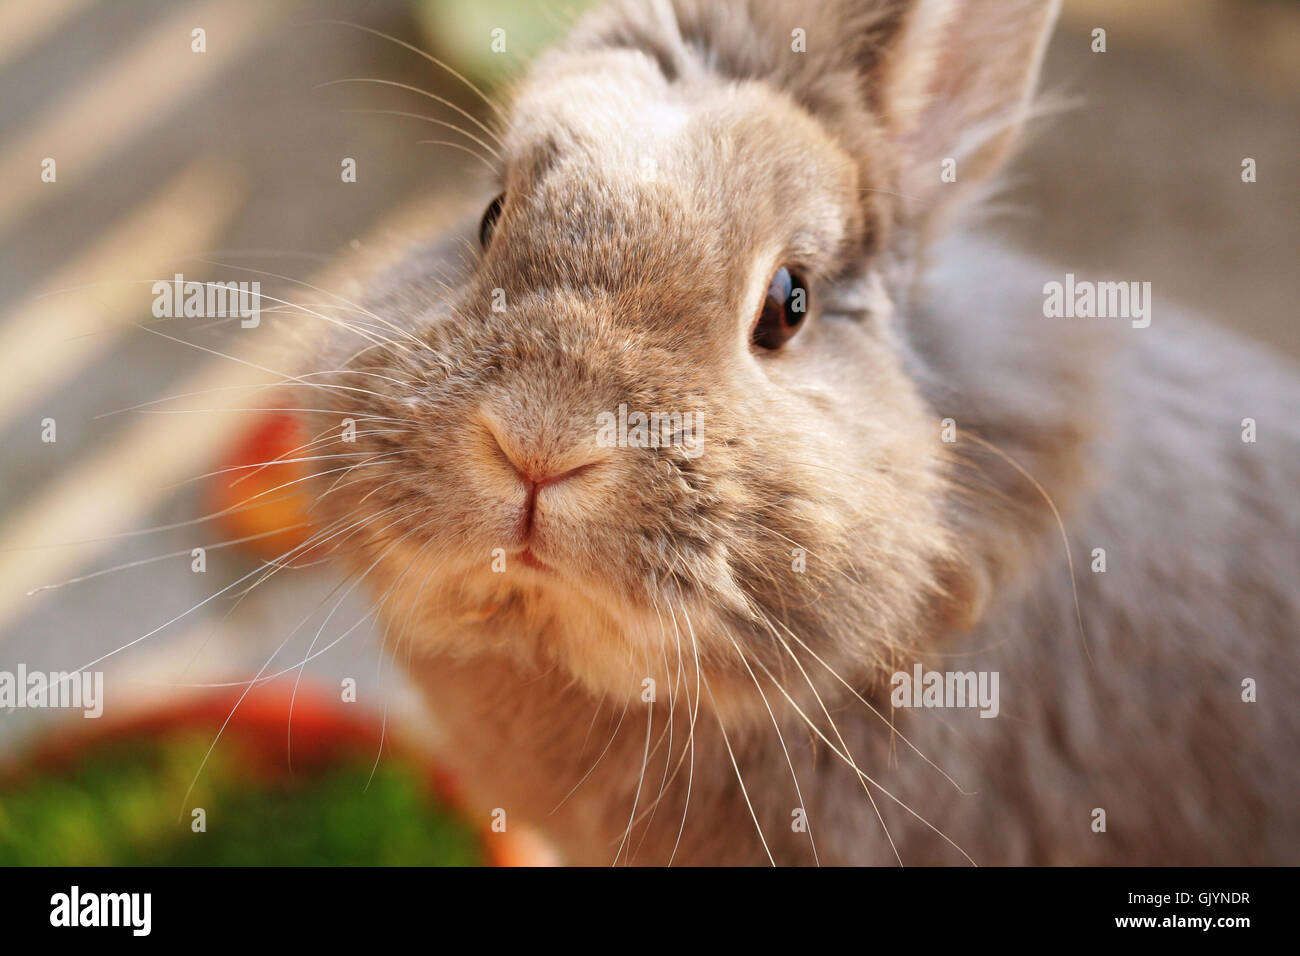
x: 114, y: 490
x: 90, y: 302
x: 151, y: 77
x: 24, y: 24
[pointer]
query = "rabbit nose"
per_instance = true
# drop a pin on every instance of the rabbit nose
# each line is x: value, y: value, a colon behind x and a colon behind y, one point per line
x: 536, y: 480
x: 536, y: 465
x: 535, y: 474
x: 537, y: 469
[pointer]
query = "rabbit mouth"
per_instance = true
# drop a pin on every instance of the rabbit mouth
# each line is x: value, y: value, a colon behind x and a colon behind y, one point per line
x: 528, y: 559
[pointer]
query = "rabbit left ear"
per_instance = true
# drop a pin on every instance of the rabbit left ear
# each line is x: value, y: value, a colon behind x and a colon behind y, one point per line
x: 956, y: 82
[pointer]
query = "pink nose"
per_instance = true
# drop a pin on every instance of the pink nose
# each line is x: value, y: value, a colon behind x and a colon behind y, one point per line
x: 536, y: 472
x: 554, y: 478
x: 535, y: 485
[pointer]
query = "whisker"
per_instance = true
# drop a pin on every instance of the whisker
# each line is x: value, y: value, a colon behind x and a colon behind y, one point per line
x: 163, y: 557
x: 821, y: 703
x: 212, y: 597
x: 847, y: 758
x: 690, y: 777
x: 302, y: 667
x: 645, y: 759
x: 463, y: 149
x: 739, y: 778
x: 784, y: 749
x: 428, y: 56
x: 407, y: 114
x: 600, y: 756
x: 1060, y: 524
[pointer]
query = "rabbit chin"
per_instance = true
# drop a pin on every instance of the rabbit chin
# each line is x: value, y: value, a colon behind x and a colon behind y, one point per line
x: 556, y: 626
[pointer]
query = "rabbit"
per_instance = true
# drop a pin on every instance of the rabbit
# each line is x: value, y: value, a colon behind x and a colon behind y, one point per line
x: 876, y: 458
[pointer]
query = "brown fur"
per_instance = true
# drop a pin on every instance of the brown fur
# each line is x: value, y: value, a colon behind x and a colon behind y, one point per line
x: 658, y: 167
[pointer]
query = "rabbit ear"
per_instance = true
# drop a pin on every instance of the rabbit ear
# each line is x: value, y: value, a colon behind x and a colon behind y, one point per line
x: 955, y: 85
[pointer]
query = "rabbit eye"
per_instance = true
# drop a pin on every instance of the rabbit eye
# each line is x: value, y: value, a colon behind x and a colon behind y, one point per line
x: 783, y: 311
x: 489, y: 221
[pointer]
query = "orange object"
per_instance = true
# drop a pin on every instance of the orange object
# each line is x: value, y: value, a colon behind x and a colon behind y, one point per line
x: 519, y: 846
x: 261, y: 493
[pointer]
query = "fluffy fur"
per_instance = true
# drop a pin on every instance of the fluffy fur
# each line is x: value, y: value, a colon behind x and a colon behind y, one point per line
x: 657, y: 168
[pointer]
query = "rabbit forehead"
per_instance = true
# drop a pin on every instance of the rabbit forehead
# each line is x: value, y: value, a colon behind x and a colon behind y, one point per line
x: 614, y: 100
x: 726, y: 155
x: 615, y: 111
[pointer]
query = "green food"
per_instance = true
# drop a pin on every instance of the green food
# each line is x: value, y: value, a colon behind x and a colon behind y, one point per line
x: 121, y: 805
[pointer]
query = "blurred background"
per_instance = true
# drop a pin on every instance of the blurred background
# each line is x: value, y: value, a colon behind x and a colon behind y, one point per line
x: 224, y: 165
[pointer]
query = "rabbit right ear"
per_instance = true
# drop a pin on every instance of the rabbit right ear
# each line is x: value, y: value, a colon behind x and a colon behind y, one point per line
x: 954, y: 85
